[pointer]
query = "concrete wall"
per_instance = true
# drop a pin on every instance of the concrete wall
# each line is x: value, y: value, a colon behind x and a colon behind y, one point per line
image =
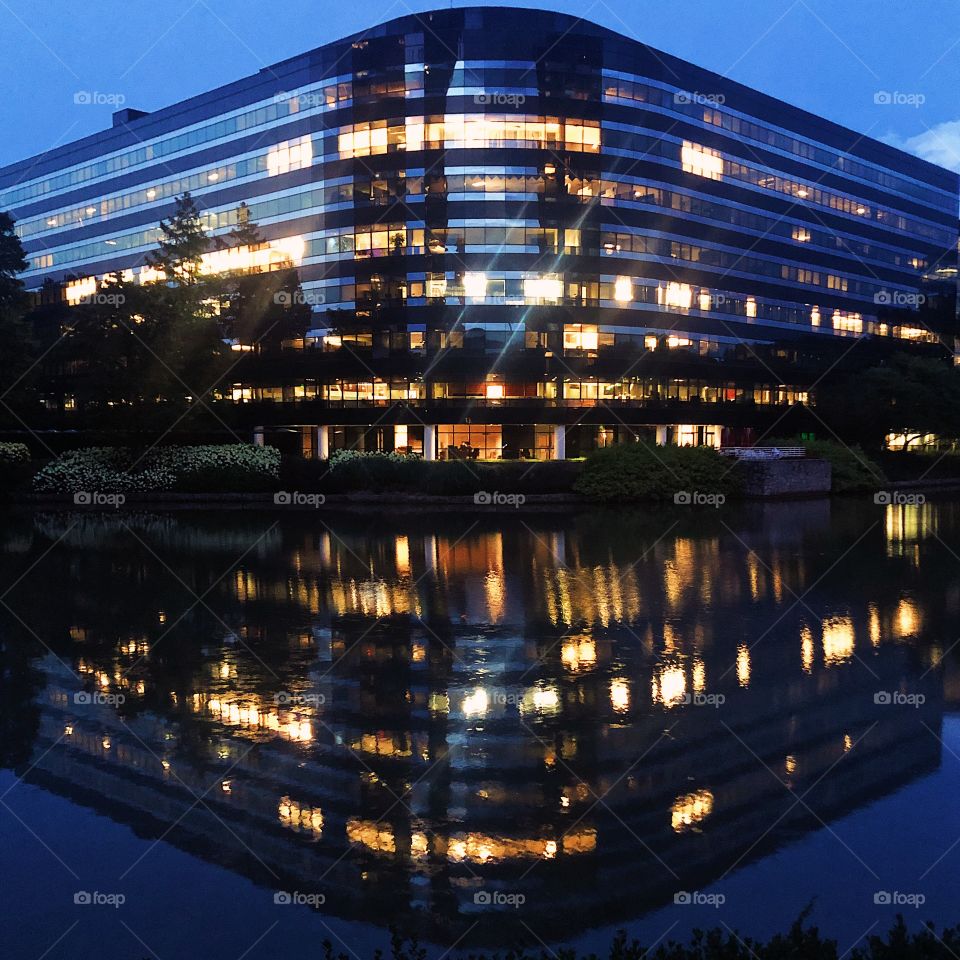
x: 790, y: 477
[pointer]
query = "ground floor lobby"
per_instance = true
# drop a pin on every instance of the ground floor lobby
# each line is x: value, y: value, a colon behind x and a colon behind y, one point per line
x: 486, y: 441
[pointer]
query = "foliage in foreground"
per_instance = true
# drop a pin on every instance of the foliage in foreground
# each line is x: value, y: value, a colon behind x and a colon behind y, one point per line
x: 640, y: 471
x: 200, y: 469
x: 14, y: 453
x: 350, y: 471
x: 801, y: 942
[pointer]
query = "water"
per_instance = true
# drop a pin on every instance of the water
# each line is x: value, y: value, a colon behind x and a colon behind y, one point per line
x: 239, y: 734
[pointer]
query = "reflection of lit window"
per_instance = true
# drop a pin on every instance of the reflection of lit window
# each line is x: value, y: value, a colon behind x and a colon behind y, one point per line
x: 743, y: 665
x: 690, y: 809
x: 838, y: 640
x: 702, y: 161
x: 290, y: 155
x: 578, y: 653
x: 620, y: 696
x: 806, y: 648
x: 907, y: 618
x: 669, y: 686
x: 475, y: 704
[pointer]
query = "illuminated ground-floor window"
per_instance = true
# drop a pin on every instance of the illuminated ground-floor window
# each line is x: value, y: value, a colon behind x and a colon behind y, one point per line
x: 492, y: 442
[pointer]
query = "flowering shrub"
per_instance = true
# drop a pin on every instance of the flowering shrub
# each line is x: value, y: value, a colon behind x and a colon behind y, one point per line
x: 14, y: 453
x: 211, y: 468
x: 343, y: 458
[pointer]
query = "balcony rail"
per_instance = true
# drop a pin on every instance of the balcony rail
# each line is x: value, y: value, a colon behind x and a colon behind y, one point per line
x: 763, y: 453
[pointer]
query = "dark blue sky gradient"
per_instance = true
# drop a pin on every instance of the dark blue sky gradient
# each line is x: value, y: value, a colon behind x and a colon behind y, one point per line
x: 827, y: 56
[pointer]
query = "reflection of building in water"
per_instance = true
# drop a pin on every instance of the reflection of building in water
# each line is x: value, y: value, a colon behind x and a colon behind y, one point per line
x: 427, y: 716
x: 422, y: 783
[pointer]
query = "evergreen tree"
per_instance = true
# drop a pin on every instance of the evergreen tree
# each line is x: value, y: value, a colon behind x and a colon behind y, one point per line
x: 13, y: 261
x: 17, y: 347
x: 182, y: 244
x: 264, y: 308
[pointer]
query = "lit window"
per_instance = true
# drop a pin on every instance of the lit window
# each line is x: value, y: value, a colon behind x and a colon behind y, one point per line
x: 580, y: 336
x: 543, y: 288
x: 675, y: 295
x: 494, y: 391
x: 475, y: 285
x: 623, y: 290
x: 815, y: 317
x: 751, y: 307
x: 847, y: 322
x: 702, y: 161
x: 801, y: 234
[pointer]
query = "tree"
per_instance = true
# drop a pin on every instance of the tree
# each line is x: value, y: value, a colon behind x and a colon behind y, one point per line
x: 17, y: 347
x: 182, y: 244
x: 13, y: 261
x: 907, y: 395
x: 265, y: 308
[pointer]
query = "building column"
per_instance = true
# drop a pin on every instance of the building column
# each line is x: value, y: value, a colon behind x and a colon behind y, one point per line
x: 429, y: 442
x: 560, y: 443
x: 323, y: 443
x: 662, y: 436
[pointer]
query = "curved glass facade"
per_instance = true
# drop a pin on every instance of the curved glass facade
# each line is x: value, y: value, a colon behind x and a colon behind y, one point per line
x: 509, y: 217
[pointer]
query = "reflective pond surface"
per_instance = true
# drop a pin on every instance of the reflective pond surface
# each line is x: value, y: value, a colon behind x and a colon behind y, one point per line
x: 230, y: 734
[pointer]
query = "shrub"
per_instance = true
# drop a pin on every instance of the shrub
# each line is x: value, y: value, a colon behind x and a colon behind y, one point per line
x: 853, y: 470
x: 355, y: 472
x: 14, y: 453
x: 639, y: 471
x: 201, y: 469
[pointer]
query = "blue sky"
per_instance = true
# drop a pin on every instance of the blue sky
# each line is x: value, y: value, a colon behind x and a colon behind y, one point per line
x: 828, y: 56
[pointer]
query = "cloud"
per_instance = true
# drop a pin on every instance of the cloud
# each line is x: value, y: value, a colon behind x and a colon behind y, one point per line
x: 939, y: 144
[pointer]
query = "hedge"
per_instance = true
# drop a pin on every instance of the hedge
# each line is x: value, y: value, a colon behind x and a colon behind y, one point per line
x: 640, y: 471
x: 200, y: 469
